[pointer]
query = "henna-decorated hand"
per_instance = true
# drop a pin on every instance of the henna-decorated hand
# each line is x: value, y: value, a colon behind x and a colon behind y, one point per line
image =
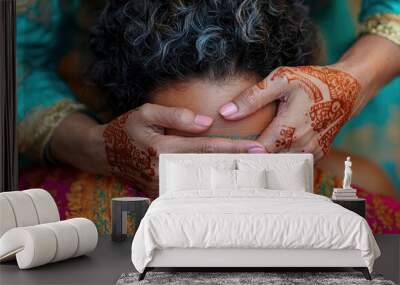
x: 315, y: 102
x: 134, y: 140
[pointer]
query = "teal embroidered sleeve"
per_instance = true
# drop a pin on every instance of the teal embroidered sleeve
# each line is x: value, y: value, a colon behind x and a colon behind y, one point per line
x: 43, y: 98
x: 373, y: 7
x: 382, y: 18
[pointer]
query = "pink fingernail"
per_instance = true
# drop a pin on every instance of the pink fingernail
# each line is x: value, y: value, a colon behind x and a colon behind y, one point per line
x: 203, y: 121
x: 256, y: 149
x: 228, y: 109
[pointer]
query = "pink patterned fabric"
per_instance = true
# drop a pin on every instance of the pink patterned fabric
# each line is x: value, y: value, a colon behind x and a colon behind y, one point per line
x: 382, y: 212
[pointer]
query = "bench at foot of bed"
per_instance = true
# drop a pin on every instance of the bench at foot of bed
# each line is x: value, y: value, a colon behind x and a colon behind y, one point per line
x: 363, y: 270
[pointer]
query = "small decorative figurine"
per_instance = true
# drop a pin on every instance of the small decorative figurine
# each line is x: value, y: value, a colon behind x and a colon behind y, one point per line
x: 345, y: 193
x: 347, y: 174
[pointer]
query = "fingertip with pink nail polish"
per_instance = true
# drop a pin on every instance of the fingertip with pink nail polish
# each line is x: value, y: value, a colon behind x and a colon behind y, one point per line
x: 256, y: 149
x: 228, y: 109
x: 203, y: 121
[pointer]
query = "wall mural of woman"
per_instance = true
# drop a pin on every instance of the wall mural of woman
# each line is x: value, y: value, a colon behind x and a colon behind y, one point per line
x: 176, y: 65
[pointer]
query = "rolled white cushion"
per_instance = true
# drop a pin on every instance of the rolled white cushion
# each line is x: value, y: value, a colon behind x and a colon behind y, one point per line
x: 7, y: 218
x: 67, y: 240
x: 40, y: 244
x: 45, y: 205
x: 23, y: 208
x: 33, y: 246
x: 87, y: 235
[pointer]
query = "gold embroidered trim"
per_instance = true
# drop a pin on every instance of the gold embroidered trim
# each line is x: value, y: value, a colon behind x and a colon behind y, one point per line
x: 35, y: 130
x: 385, y: 25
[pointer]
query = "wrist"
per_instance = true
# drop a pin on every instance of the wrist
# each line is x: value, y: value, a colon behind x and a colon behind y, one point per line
x: 94, y: 149
x: 365, y: 76
x: 362, y: 70
x: 373, y: 61
x: 77, y: 141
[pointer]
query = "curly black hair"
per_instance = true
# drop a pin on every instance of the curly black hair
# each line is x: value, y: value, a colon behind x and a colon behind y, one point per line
x: 139, y: 45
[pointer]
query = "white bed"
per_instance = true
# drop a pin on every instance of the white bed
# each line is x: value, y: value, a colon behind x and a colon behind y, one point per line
x: 195, y: 224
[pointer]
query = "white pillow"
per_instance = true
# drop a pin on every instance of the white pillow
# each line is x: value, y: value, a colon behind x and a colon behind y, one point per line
x: 292, y: 179
x: 181, y: 177
x: 223, y: 179
x: 283, y: 174
x: 251, y: 178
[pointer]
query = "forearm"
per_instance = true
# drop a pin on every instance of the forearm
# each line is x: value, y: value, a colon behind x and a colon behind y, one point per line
x: 374, y: 61
x: 375, y: 58
x: 77, y: 141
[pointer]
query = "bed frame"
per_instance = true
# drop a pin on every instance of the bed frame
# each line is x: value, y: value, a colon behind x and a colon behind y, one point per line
x: 250, y: 259
x: 247, y: 259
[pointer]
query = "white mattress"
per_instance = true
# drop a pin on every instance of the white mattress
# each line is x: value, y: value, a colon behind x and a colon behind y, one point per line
x: 252, y: 218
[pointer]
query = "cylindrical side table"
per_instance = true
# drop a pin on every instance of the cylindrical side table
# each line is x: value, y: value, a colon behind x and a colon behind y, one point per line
x: 119, y: 213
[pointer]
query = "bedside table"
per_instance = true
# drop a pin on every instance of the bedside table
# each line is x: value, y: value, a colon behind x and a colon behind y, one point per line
x: 119, y: 212
x: 356, y: 205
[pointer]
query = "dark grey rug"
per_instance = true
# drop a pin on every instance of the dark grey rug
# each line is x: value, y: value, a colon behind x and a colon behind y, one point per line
x: 243, y: 278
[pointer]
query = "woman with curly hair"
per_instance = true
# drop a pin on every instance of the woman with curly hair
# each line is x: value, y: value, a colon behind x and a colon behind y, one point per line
x: 192, y: 55
x: 141, y: 46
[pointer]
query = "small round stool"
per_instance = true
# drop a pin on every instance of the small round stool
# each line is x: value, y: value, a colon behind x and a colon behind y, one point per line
x: 119, y: 212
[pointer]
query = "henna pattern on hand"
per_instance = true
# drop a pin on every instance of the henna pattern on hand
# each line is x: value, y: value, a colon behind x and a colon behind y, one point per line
x: 125, y: 158
x: 262, y: 84
x: 290, y: 74
x: 327, y: 115
x: 286, y: 137
x: 343, y: 91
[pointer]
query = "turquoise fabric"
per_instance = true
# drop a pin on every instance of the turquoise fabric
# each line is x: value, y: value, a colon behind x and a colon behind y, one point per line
x: 372, y: 7
x: 339, y: 36
x: 43, y: 36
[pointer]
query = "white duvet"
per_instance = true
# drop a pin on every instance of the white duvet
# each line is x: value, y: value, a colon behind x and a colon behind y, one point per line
x: 251, y: 218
